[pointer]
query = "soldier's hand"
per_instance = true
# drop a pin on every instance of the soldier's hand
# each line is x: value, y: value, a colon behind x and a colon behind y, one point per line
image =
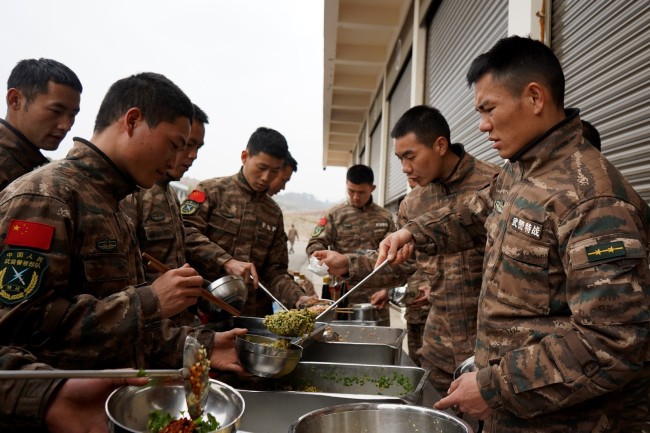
x: 78, y: 405
x: 177, y: 289
x: 244, y: 269
x: 395, y: 247
x: 338, y: 263
x: 422, y: 299
x: 379, y: 299
x: 465, y: 397
x: 304, y: 300
x: 223, y: 355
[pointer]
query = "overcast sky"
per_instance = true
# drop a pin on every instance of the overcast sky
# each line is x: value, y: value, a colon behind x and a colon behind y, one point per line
x: 247, y: 63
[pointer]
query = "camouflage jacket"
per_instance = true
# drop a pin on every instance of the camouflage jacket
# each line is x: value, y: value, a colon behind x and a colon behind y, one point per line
x: 17, y: 155
x: 564, y: 319
x: 71, y: 271
x: 23, y: 402
x: 156, y: 215
x: 225, y: 218
x: 356, y: 233
x: 454, y: 278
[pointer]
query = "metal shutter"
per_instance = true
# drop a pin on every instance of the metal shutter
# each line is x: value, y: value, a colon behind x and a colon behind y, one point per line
x: 604, y: 48
x: 458, y: 32
x: 375, y: 154
x: 399, y: 102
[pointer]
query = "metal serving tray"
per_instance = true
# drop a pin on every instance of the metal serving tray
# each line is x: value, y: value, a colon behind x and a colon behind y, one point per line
x: 352, y: 353
x: 369, y: 334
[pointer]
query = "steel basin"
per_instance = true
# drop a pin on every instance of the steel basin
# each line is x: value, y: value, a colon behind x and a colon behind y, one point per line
x: 378, y: 418
x: 128, y: 407
x: 262, y: 360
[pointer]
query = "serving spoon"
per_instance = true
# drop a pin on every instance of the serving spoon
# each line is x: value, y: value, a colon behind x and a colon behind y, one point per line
x: 194, y: 374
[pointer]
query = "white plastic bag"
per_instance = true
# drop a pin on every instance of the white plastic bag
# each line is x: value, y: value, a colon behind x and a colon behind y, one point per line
x: 319, y: 268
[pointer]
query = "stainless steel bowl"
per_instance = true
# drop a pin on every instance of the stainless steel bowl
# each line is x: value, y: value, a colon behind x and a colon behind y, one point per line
x: 364, y: 312
x: 378, y: 418
x: 465, y: 367
x: 128, y: 407
x: 230, y: 289
x: 260, y: 359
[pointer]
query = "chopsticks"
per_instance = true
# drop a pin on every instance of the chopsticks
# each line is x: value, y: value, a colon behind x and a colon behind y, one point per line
x: 160, y: 267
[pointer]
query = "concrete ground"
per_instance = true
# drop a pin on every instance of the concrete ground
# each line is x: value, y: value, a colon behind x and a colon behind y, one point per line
x: 298, y: 261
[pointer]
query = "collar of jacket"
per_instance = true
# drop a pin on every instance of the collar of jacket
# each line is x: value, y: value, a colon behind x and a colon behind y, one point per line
x: 460, y: 170
x: 365, y: 206
x: 165, y: 180
x: 243, y: 184
x: 526, y: 153
x: 103, y: 172
x: 22, y: 147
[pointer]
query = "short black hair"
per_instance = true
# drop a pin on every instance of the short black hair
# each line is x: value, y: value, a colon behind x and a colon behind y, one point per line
x: 200, y: 114
x: 360, y: 174
x: 290, y: 161
x: 159, y: 99
x: 590, y: 132
x: 515, y: 61
x: 31, y: 77
x: 269, y: 141
x: 427, y: 123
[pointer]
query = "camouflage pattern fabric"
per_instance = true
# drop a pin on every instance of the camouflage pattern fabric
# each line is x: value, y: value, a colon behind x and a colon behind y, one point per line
x: 231, y: 220
x: 155, y: 213
x: 74, y: 296
x: 349, y: 230
x: 563, y: 323
x: 17, y: 155
x: 23, y: 402
x: 454, y: 279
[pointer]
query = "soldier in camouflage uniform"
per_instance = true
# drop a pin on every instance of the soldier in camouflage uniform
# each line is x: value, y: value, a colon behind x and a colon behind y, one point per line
x: 71, y: 275
x: 357, y: 225
x: 563, y: 322
x: 42, y: 103
x: 55, y: 405
x: 233, y: 227
x: 156, y: 214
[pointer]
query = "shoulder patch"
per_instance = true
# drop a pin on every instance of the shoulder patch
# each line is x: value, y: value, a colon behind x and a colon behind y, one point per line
x: 605, y: 251
x: 322, y: 221
x: 317, y: 230
x: 498, y: 206
x: 189, y: 207
x: 197, y: 196
x: 21, y: 274
x: 29, y: 234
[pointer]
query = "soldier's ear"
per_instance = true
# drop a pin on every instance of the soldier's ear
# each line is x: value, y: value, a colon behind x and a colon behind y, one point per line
x: 132, y: 119
x: 441, y: 144
x: 14, y: 99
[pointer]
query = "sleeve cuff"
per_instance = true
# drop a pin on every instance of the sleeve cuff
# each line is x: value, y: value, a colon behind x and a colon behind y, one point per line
x: 489, y: 386
x: 149, y: 303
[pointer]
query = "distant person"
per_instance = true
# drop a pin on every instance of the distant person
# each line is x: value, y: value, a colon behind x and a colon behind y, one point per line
x: 354, y: 226
x: 73, y: 291
x: 293, y: 237
x: 233, y: 227
x: 289, y: 167
x: 42, y: 102
x: 156, y: 214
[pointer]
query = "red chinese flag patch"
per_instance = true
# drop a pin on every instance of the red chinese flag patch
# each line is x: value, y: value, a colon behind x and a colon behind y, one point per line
x: 197, y: 196
x: 322, y: 221
x: 29, y: 234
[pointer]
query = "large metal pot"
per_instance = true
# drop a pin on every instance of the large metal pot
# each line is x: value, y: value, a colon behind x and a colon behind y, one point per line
x: 364, y: 312
x: 378, y: 418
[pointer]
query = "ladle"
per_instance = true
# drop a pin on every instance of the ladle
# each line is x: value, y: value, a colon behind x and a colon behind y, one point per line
x: 374, y: 271
x: 268, y: 292
x: 195, y: 405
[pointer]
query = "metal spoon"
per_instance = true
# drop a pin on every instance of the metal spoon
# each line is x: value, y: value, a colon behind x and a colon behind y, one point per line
x: 268, y: 292
x: 374, y: 271
x: 197, y: 364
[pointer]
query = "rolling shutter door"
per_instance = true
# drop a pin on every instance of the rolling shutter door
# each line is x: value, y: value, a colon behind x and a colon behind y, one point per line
x: 399, y: 102
x: 458, y: 32
x: 375, y: 154
x: 604, y: 49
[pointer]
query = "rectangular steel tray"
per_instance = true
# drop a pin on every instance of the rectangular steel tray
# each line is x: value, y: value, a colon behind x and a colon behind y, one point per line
x: 398, y: 384
x: 369, y: 334
x: 352, y: 353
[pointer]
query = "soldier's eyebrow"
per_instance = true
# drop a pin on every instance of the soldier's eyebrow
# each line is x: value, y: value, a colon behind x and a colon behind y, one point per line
x: 405, y: 153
